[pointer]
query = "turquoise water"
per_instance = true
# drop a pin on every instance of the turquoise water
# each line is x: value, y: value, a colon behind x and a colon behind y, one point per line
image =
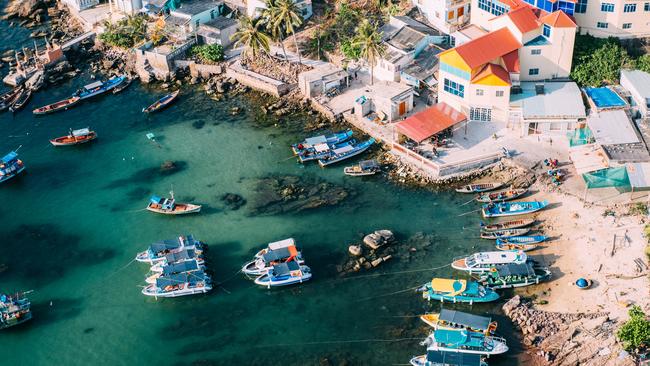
x: 73, y: 223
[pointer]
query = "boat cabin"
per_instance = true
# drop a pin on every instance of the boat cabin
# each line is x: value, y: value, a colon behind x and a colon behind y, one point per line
x: 8, y: 159
x: 93, y: 86
x: 482, y: 259
x: 80, y: 132
x: 187, y: 266
x: 458, y: 319
x: 180, y: 256
x: 445, y: 358
x: 289, y: 269
x: 450, y: 287
x: 176, y: 281
x: 513, y: 271
x: 163, y: 203
x: 281, y: 244
x: 280, y: 254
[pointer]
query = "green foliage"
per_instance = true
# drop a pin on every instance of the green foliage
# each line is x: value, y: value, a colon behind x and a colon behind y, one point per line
x: 368, y: 39
x: 208, y: 53
x: 643, y: 63
x: 252, y: 37
x: 635, y: 333
x: 350, y: 50
x: 638, y: 208
x: 126, y: 33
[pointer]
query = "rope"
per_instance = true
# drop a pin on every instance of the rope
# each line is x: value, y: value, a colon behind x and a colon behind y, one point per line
x: 229, y: 278
x: 393, y: 273
x: 337, y: 342
x: 467, y: 213
x: 389, y: 294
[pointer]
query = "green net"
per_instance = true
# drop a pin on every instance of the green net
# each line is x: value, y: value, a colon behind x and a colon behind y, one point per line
x: 580, y: 136
x: 612, y: 177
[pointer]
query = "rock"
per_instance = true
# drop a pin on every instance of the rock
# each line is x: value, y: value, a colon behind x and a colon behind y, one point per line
x: 373, y: 240
x: 164, y: 85
x: 233, y: 201
x: 355, y: 250
x: 167, y: 165
x: 376, y: 262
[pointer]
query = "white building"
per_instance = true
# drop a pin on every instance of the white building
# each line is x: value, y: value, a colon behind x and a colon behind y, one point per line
x: 446, y: 15
x: 197, y: 12
x: 613, y: 18
x: 254, y: 8
x: 126, y: 6
x: 218, y: 31
x: 638, y: 84
x: 79, y: 5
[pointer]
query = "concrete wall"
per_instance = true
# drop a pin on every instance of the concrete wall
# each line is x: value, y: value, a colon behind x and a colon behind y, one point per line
x: 639, y: 100
x: 437, y: 11
x: 489, y: 99
x: 258, y: 81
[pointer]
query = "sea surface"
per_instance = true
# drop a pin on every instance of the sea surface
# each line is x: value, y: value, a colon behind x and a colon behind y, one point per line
x: 72, y: 224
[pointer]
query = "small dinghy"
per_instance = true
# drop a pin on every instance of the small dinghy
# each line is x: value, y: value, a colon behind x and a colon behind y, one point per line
x: 311, y: 142
x: 512, y: 208
x: 501, y: 196
x: 513, y: 224
x: 446, y: 358
x: 365, y: 167
x: 514, y: 275
x: 58, y: 106
x: 340, y: 154
x: 484, y: 261
x: 161, y: 103
x: 504, y: 233
x: 75, y: 137
x: 9, y: 97
x: 511, y: 247
x: 169, y: 206
x: 284, y: 274
x: 452, y: 290
x: 452, y: 319
x: 21, y: 100
x: 480, y: 187
x: 465, y: 341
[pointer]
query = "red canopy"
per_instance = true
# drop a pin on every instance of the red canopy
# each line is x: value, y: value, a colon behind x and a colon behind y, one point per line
x: 427, y: 123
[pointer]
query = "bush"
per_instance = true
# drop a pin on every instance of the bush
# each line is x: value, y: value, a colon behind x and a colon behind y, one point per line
x: 208, y: 53
x: 638, y: 208
x: 635, y: 333
x: 349, y: 50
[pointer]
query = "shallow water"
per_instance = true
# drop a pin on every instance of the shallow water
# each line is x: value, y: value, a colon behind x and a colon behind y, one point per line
x: 74, y: 221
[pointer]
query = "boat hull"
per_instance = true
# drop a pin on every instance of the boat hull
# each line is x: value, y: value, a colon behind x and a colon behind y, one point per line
x: 190, y: 209
x: 506, y: 233
x: 501, y: 196
x: 148, y: 291
x: 499, y: 348
x: 513, y: 224
x: 479, y: 188
x: 56, y: 107
x: 365, y: 146
x: 266, y: 282
x: 5, y: 178
x: 532, y: 208
x: 59, y: 141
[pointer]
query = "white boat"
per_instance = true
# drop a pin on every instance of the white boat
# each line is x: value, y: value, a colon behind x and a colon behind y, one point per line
x: 283, y: 251
x: 484, y: 261
x: 175, y: 268
x: 444, y: 358
x: 453, y: 319
x: 464, y: 341
x: 184, y: 255
x: 157, y: 251
x: 275, y: 246
x: 169, y: 206
x: 181, y: 284
x: 284, y: 274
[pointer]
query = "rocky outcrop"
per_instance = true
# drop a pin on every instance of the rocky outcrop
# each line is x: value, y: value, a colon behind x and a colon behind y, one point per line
x: 274, y: 68
x: 34, y: 10
x: 378, y: 249
x: 560, y: 339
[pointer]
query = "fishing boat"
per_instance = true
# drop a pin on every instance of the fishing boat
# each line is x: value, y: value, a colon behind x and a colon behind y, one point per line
x: 464, y: 341
x: 263, y: 263
x: 501, y: 196
x: 330, y: 139
x: 510, y: 247
x: 175, y: 268
x: 496, y: 234
x: 480, y: 187
x: 484, y: 261
x: 284, y: 274
x: 532, y: 239
x: 513, y: 224
x: 365, y: 167
x: 446, y: 358
x: 75, y: 137
x: 36, y: 81
x: 58, y: 106
x: 7, y: 98
x: 21, y: 100
x: 346, y: 152
x: 161, y: 103
x: 10, y: 166
x: 444, y: 289
x: 275, y: 246
x: 322, y: 150
x: 98, y: 87
x: 123, y: 85
x: 169, y: 206
x: 452, y: 319
x: 181, y: 284
x: 157, y: 251
x: 185, y: 255
x: 515, y: 275
x: 14, y: 310
x: 512, y: 208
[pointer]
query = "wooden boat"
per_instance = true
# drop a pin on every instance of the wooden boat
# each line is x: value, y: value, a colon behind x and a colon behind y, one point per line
x: 75, y: 137
x: 169, y: 206
x: 513, y: 224
x: 512, y: 208
x: 510, y: 246
x: 484, y: 261
x: 501, y: 196
x: 36, y: 81
x: 99, y: 87
x: 58, y: 106
x: 480, y: 187
x: 123, y: 85
x: 9, y: 97
x: 534, y: 239
x: 446, y: 358
x: 14, y: 310
x: 504, y: 233
x: 312, y: 142
x: 161, y: 103
x: 320, y: 151
x: 452, y: 319
x: 365, y: 167
x: 10, y: 166
x: 21, y: 100
x: 338, y: 155
x: 514, y: 275
x: 452, y: 290
x: 465, y: 341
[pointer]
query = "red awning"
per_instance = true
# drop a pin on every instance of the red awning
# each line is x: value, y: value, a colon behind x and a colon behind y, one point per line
x: 427, y: 123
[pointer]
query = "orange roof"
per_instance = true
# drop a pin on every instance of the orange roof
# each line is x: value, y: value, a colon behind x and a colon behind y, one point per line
x: 489, y: 47
x: 558, y: 19
x: 427, y: 123
x: 511, y: 61
x: 523, y: 18
x: 492, y: 70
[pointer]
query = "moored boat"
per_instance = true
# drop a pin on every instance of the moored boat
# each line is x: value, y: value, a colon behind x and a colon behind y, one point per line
x: 284, y: 274
x: 21, y: 100
x: 480, y: 187
x: 533, y: 239
x: 501, y: 196
x: 452, y: 319
x: 181, y: 284
x: 169, y: 206
x: 447, y: 358
x: 515, y: 275
x: 10, y: 166
x: 452, y: 290
x: 7, y: 98
x: 98, y: 87
x: 75, y: 137
x: 464, y: 341
x: 365, y: 167
x: 57, y: 106
x: 510, y: 247
x: 322, y: 150
x: 157, y: 251
x: 14, y: 310
x: 161, y: 103
x: 484, y: 261
x: 346, y: 152
x: 185, y: 255
x: 175, y: 268
x: 123, y: 85
x: 496, y: 234
x: 330, y: 139
x: 512, y: 208
x: 513, y: 224
x: 265, y: 261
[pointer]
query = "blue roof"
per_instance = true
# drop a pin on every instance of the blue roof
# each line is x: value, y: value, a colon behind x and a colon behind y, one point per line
x: 155, y: 199
x: 9, y: 157
x: 538, y: 41
x: 181, y: 278
x: 604, y: 97
x: 453, y: 358
x: 285, y: 268
x: 180, y: 267
x: 184, y: 254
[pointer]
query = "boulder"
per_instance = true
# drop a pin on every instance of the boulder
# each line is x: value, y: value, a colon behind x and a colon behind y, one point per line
x: 355, y: 250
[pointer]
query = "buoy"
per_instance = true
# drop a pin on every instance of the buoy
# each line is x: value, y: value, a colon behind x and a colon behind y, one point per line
x: 583, y: 283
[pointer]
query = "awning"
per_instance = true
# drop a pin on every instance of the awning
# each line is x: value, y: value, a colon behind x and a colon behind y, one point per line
x: 588, y: 158
x: 639, y: 174
x: 427, y: 123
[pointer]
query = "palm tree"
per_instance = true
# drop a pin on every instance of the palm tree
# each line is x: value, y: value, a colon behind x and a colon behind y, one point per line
x: 252, y: 37
x: 290, y: 16
x: 276, y: 28
x: 368, y: 39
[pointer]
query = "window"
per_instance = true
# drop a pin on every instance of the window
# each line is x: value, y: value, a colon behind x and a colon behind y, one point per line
x: 629, y: 8
x: 646, y: 7
x: 547, y: 30
x: 461, y: 11
x: 479, y: 91
x: 567, y: 6
x: 450, y: 15
x: 533, y: 71
x: 602, y: 25
x: 556, y: 126
x: 536, y: 51
x: 499, y: 93
x: 627, y: 25
x: 493, y: 6
x: 480, y: 114
x: 607, y: 7
x: 581, y: 6
x: 454, y: 88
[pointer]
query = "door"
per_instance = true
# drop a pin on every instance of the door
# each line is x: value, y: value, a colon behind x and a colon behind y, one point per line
x: 533, y: 128
x: 402, y: 108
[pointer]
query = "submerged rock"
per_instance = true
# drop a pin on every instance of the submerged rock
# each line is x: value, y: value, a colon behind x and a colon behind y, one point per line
x: 233, y: 201
x: 167, y: 166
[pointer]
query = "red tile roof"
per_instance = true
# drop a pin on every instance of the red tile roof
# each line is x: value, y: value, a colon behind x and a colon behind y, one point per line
x: 489, y: 47
x: 427, y: 123
x: 492, y: 69
x: 558, y: 19
x: 511, y: 61
x: 524, y: 19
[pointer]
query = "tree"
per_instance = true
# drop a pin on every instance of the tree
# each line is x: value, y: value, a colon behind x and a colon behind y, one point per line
x: 290, y: 16
x: 635, y: 333
x: 210, y: 53
x: 270, y: 14
x: 368, y: 40
x: 643, y: 63
x: 249, y: 35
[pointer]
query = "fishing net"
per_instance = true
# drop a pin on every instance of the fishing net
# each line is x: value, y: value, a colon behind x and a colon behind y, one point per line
x: 605, y: 178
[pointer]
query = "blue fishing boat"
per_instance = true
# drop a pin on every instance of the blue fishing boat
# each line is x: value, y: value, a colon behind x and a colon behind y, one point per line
x: 10, y: 166
x: 161, y: 103
x: 284, y: 274
x: 515, y: 275
x: 321, y: 151
x: 14, y: 310
x: 512, y: 208
x: 330, y: 139
x: 98, y: 87
x: 340, y: 154
x: 444, y: 289
x: 446, y: 358
x: 532, y: 239
x: 158, y: 251
x: 174, y: 268
x: 465, y: 341
x: 181, y: 284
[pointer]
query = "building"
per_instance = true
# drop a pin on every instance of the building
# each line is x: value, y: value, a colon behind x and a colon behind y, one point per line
x: 613, y: 18
x: 446, y: 15
x: 218, y: 31
x: 322, y: 79
x: 126, y: 6
x: 466, y: 34
x: 79, y: 5
x: 637, y: 83
x: 427, y: 123
x: 388, y: 100
x: 193, y: 13
x: 254, y: 8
